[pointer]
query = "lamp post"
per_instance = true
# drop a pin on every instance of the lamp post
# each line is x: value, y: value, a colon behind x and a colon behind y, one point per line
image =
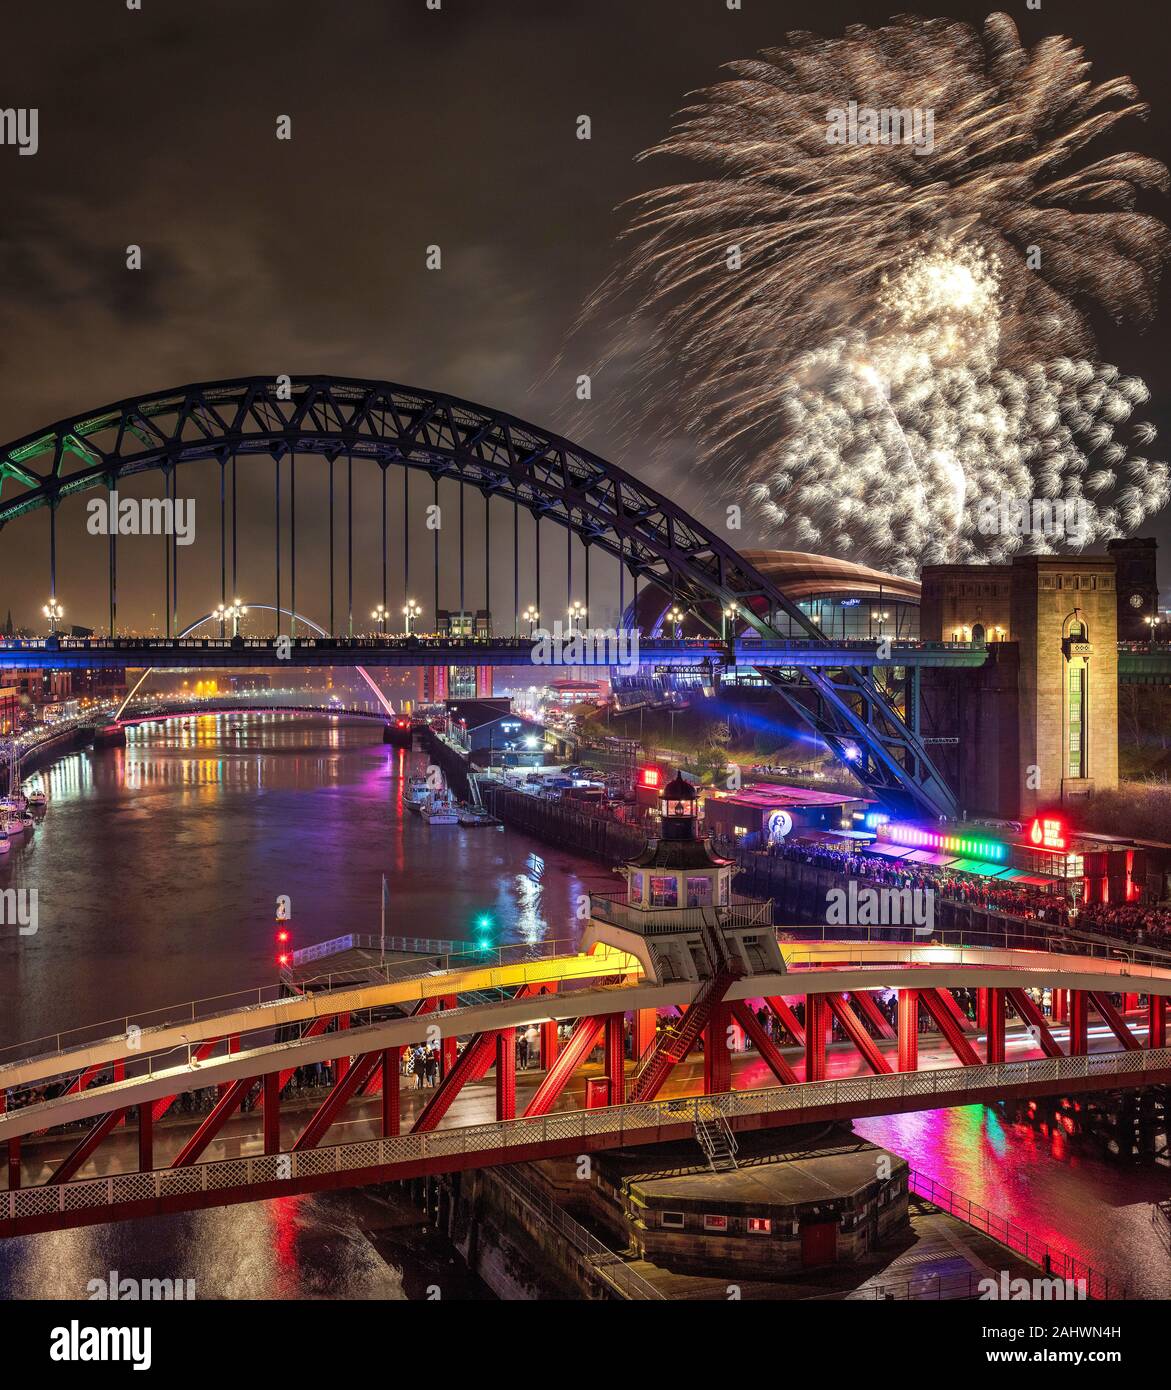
x: 1152, y: 623
x: 675, y: 618
x: 411, y: 611
x: 530, y: 616
x: 54, y: 612
x: 577, y: 613
x: 726, y: 616
x: 232, y: 613
x: 380, y: 615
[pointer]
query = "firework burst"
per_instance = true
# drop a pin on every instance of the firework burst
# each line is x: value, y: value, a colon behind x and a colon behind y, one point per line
x: 853, y: 324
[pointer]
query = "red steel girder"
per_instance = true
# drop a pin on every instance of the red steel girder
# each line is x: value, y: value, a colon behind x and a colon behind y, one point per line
x: 86, y: 1145
x: 949, y: 1002
x: 270, y: 1094
x: 1156, y: 1020
x: 788, y: 1020
x: 615, y: 1045
x: 1033, y: 1018
x: 946, y: 1021
x: 581, y: 1043
x: 717, y: 1053
x: 763, y: 1043
x: 340, y: 1092
x: 816, y: 1033
x: 856, y: 1032
x: 391, y: 1070
x: 466, y: 1067
x: 993, y: 1011
x: 506, y: 1074
x: 1114, y: 1021
x: 146, y: 1152
x: 870, y: 1011
x: 1079, y: 1023
x: 201, y: 1054
x: 231, y: 1099
x: 908, y: 1030
x: 673, y: 1045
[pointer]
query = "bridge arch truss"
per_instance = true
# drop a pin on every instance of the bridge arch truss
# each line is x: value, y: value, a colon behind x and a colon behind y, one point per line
x: 502, y: 457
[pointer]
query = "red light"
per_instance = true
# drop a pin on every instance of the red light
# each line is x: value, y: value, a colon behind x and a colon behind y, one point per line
x: 651, y: 776
x: 1048, y: 832
x: 282, y: 937
x: 282, y: 960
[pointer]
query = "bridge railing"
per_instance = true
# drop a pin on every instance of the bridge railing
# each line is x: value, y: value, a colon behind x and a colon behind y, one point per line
x: 610, y: 1126
x: 740, y: 912
x: 417, y: 945
x: 1097, y: 948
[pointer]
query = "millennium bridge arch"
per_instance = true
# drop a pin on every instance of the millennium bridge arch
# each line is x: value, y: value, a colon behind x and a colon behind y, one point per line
x: 440, y: 437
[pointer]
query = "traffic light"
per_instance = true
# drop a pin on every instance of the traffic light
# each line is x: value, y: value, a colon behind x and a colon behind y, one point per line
x: 284, y: 934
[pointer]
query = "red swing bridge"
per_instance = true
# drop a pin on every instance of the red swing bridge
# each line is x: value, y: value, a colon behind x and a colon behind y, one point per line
x: 95, y: 1127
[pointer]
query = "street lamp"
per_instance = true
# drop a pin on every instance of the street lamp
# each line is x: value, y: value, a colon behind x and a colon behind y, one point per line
x: 726, y: 616
x: 54, y: 612
x: 530, y: 616
x: 879, y: 618
x: 411, y: 611
x: 675, y: 618
x: 1151, y: 622
x: 576, y: 613
x: 230, y: 613
x: 380, y: 615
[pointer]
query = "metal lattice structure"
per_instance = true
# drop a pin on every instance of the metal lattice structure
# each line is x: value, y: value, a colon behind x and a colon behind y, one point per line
x: 503, y: 457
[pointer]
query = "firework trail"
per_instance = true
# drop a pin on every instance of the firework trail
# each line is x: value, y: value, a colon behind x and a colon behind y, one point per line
x: 859, y: 328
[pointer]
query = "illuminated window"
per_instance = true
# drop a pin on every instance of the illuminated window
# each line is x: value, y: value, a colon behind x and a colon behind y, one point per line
x: 715, y: 1223
x: 635, y: 895
x: 664, y: 890
x: 699, y: 891
x: 1077, y: 721
x: 759, y: 1226
x: 673, y: 1219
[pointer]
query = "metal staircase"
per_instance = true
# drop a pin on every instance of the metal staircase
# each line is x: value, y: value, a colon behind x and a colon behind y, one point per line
x: 672, y: 1045
x: 717, y: 1141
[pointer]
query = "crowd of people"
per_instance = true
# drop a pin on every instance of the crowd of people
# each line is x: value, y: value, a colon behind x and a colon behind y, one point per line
x: 1136, y: 923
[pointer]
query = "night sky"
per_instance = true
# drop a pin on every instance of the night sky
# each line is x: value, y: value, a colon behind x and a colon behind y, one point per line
x: 410, y: 127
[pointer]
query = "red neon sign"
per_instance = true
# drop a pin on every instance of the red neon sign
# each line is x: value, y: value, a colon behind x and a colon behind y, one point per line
x: 651, y: 776
x: 1047, y: 833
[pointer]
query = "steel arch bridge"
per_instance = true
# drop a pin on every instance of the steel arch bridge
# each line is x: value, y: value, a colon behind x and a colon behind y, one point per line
x: 502, y: 457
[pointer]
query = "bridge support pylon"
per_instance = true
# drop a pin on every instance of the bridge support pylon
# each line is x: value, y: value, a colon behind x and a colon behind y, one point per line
x: 908, y: 1030
x: 1156, y: 1020
x: 717, y: 1051
x: 816, y: 1029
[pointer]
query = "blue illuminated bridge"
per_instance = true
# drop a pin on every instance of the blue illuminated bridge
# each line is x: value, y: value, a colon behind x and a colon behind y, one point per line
x: 497, y: 487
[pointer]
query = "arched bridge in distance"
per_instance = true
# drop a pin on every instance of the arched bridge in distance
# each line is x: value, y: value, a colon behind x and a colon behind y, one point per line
x: 507, y: 467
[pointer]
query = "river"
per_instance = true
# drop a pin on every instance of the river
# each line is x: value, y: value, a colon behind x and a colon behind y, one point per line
x: 157, y: 870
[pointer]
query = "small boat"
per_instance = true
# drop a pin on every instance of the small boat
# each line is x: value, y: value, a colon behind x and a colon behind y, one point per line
x: 38, y: 799
x: 440, y: 810
x: 14, y: 804
x: 418, y: 793
x: 13, y: 825
x: 5, y: 842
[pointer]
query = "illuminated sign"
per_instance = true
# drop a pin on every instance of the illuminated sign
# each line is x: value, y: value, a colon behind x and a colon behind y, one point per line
x: 1047, y: 833
x: 779, y: 825
x: 969, y: 846
x: 650, y: 777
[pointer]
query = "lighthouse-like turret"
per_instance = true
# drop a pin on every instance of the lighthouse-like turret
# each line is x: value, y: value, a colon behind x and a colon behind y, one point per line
x: 680, y: 869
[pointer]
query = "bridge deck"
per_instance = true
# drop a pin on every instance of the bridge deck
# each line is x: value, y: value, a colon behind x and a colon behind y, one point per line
x: 475, y: 1104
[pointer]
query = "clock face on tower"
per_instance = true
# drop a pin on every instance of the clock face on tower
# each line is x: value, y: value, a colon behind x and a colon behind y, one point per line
x: 1136, y: 600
